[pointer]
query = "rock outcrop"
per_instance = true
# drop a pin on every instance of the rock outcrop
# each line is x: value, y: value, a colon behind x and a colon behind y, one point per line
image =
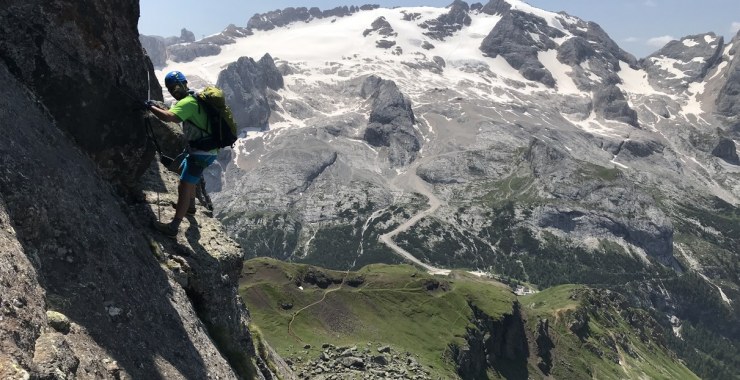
x: 245, y: 84
x: 512, y: 38
x: 447, y: 24
x: 610, y: 103
x: 382, y: 27
x: 605, y: 207
x: 391, y: 123
x: 496, y: 7
x: 498, y: 344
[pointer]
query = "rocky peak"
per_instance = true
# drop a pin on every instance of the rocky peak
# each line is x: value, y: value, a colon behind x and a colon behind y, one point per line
x: 245, y: 84
x: 685, y: 61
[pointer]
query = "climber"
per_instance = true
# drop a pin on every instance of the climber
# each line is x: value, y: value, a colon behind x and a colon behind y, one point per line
x: 195, y: 126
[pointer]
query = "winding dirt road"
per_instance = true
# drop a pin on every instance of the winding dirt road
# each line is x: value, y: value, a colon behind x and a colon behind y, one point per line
x: 411, y: 182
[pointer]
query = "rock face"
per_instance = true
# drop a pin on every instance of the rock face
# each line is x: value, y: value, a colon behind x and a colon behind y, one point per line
x: 512, y: 39
x: 87, y: 287
x: 45, y: 46
x: 692, y: 55
x: 447, y: 24
x: 245, y: 84
x: 391, y: 121
x: 103, y: 276
x: 492, y: 344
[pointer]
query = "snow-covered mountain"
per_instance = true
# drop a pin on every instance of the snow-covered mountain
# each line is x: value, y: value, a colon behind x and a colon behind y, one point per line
x: 527, y: 142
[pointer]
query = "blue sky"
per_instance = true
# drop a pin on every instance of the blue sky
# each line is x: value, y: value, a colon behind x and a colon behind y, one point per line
x: 638, y: 26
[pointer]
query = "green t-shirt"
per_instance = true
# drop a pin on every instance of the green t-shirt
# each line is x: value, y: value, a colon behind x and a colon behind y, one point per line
x: 194, y: 118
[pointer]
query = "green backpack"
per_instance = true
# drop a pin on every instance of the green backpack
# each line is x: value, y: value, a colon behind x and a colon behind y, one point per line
x: 220, y: 120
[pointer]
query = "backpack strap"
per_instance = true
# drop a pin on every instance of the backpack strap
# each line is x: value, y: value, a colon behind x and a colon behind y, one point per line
x: 200, y: 109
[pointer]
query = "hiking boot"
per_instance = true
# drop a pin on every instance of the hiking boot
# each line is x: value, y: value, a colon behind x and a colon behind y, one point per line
x: 191, y: 209
x: 166, y: 228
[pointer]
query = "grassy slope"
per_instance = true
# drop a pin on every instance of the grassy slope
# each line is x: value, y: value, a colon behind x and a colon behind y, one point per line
x: 394, y: 307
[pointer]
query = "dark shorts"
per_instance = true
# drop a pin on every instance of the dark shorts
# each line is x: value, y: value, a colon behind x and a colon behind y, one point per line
x: 193, y: 166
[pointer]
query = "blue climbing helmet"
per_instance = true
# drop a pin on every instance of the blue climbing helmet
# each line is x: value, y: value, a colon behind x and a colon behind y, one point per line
x: 174, y: 77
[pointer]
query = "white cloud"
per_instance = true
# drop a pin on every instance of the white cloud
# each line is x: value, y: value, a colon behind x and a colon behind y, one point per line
x: 631, y: 39
x: 735, y: 27
x: 660, y: 41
